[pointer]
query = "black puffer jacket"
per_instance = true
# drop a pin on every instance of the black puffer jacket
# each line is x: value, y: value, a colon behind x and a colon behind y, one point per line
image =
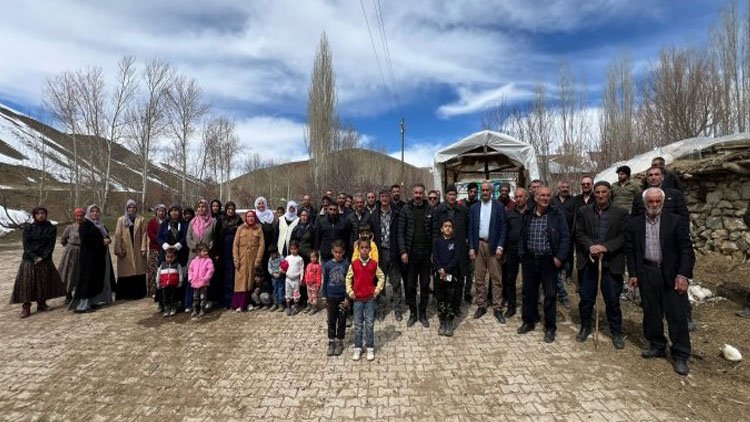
x: 39, y: 240
x: 406, y: 228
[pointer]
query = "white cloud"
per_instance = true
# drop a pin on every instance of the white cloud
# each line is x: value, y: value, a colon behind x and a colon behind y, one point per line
x: 471, y: 101
x: 419, y: 154
x: 272, y: 137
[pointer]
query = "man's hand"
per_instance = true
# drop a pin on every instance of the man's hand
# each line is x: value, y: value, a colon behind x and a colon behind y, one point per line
x: 498, y: 253
x: 680, y: 284
x: 37, y: 260
x: 405, y: 258
x: 441, y: 273
x: 472, y: 254
x: 558, y: 263
x: 633, y: 282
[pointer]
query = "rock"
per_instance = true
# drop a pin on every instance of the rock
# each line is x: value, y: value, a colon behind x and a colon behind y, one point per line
x: 720, y: 234
x: 734, y: 236
x: 713, y: 223
x: 744, y: 246
x: 706, y: 234
x: 713, y: 197
x: 745, y: 191
x: 731, y: 194
x: 732, y: 224
x: 739, y: 256
x: 695, y: 207
x: 731, y: 353
x: 716, y: 211
x: 728, y: 247
x: 740, y: 213
x: 724, y: 204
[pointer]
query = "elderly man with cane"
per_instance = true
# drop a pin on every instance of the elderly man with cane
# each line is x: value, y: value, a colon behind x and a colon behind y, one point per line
x: 600, y: 241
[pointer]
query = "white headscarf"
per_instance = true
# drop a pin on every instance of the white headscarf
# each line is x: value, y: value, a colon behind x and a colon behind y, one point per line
x: 265, y: 216
x: 290, y: 216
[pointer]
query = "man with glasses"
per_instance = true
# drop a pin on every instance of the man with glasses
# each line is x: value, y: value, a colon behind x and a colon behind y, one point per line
x: 433, y: 199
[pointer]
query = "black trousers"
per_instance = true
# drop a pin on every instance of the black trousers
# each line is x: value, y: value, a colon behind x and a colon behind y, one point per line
x: 445, y: 292
x: 418, y: 274
x: 511, y: 266
x: 336, y: 318
x: 540, y: 271
x: 660, y: 300
x: 611, y: 290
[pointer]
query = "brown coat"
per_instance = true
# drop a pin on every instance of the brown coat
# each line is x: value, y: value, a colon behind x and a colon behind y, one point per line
x: 131, y: 258
x: 247, y: 253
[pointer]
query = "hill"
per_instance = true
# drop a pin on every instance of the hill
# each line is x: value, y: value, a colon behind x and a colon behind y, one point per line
x: 352, y: 170
x: 35, y: 163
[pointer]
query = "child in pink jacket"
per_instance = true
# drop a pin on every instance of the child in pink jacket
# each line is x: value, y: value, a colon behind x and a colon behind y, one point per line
x: 200, y: 271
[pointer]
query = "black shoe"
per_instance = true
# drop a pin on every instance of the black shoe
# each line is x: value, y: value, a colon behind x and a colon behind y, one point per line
x: 549, y: 336
x: 499, y: 317
x: 480, y: 312
x: 583, y: 334
x: 449, y: 327
x: 510, y: 312
x: 399, y: 316
x: 653, y: 353
x: 525, y: 328
x: 412, y: 320
x: 680, y: 366
x: 331, y: 348
x: 424, y: 322
x: 338, y: 348
x: 441, y: 330
x: 618, y: 341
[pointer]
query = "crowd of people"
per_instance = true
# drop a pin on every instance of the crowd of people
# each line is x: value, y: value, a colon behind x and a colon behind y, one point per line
x: 346, y: 254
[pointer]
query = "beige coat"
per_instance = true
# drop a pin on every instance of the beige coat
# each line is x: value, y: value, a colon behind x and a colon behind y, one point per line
x: 247, y: 253
x: 131, y: 258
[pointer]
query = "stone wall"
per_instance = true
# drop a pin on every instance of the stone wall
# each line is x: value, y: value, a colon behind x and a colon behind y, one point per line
x: 717, y: 202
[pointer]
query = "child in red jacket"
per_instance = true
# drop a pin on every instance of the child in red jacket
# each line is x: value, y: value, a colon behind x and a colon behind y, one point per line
x: 364, y: 282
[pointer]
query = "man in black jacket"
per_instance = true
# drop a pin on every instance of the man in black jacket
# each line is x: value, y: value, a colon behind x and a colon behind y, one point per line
x: 415, y: 247
x: 512, y: 259
x: 451, y: 209
x: 600, y: 235
x: 670, y: 180
x: 396, y: 197
x: 358, y: 216
x: 565, y: 202
x: 674, y: 200
x: 660, y: 261
x: 331, y: 227
x: 384, y: 223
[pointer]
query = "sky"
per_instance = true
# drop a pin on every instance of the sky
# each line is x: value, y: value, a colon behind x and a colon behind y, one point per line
x: 441, y: 65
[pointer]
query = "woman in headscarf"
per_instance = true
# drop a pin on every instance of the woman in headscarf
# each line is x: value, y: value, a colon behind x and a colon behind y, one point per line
x: 216, y: 210
x: 154, y: 251
x: 247, y: 255
x: 173, y: 235
x: 37, y: 279
x: 228, y: 223
x: 130, y: 249
x: 287, y: 223
x: 96, y: 275
x: 202, y: 229
x: 269, y: 224
x: 69, y: 261
x: 304, y: 235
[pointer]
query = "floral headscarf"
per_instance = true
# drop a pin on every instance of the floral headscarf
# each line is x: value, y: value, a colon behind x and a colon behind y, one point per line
x: 201, y: 222
x: 96, y: 222
x: 265, y: 216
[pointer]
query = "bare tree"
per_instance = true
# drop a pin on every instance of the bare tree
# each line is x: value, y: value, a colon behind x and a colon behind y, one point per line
x: 61, y: 99
x: 149, y: 118
x: 677, y: 97
x: 322, y: 117
x: 575, y: 125
x: 219, y: 144
x: 187, y: 109
x: 90, y: 87
x: 726, y: 46
x: 617, y: 126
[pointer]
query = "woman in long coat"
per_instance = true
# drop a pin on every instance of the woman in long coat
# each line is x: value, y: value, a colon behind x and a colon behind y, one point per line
x: 71, y: 240
x: 247, y: 254
x: 202, y: 229
x: 227, y: 223
x: 96, y: 275
x: 304, y: 235
x: 173, y: 234
x: 131, y: 245
x: 37, y: 279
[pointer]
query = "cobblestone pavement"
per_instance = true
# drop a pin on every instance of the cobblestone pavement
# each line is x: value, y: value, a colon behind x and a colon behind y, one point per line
x: 125, y: 362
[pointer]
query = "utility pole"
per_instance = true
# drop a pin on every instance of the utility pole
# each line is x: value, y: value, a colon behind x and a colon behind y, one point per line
x: 403, y: 167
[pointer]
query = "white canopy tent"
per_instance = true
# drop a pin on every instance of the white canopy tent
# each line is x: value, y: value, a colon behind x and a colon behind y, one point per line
x: 485, y: 155
x: 674, y: 151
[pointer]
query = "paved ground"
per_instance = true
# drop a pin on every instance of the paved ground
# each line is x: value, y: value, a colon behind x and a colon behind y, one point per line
x: 127, y: 363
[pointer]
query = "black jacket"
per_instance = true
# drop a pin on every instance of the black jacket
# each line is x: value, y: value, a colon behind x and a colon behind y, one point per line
x: 460, y: 216
x: 677, y: 253
x: 329, y: 230
x: 304, y: 234
x: 557, y: 233
x: 569, y: 208
x: 355, y: 221
x: 674, y: 203
x: 585, y: 233
x: 515, y: 227
x: 39, y: 240
x: 376, y: 223
x: 406, y: 228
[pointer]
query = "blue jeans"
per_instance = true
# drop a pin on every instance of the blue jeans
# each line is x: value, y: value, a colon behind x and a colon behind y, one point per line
x: 364, y: 311
x: 562, y: 291
x: 279, y: 289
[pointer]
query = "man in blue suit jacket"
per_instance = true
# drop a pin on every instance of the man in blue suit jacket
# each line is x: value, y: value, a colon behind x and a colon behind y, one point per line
x: 487, y: 227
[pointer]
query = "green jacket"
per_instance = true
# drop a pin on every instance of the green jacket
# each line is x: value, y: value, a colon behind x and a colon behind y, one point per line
x: 622, y: 196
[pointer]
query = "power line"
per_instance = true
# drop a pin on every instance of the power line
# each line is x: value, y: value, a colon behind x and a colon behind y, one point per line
x: 384, y: 39
x: 375, y: 50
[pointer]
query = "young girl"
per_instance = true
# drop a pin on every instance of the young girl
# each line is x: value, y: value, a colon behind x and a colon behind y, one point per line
x: 169, y: 279
x: 313, y: 274
x: 294, y: 277
x: 199, y: 273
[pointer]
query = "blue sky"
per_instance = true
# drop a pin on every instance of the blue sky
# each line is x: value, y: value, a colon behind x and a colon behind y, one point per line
x: 451, y: 60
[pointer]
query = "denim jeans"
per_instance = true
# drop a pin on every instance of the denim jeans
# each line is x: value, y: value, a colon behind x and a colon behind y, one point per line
x: 364, y: 312
x: 279, y: 289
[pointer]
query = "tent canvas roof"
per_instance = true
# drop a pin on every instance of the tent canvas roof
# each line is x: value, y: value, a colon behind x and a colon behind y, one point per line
x: 672, y: 152
x: 504, y: 153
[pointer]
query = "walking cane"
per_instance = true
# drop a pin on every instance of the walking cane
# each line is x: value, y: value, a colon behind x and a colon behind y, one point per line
x: 596, y: 301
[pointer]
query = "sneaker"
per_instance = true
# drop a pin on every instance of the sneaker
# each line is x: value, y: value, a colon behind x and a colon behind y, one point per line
x: 338, y: 348
x: 314, y: 310
x: 331, y: 347
x: 441, y: 330
x: 357, y: 354
x: 288, y: 311
x: 307, y: 308
x: 194, y: 314
x: 173, y: 312
x: 250, y: 308
x: 370, y: 354
x: 209, y: 305
x: 165, y: 314
x: 282, y: 308
x: 201, y: 314
x: 449, y: 327
x: 273, y: 308
x: 399, y: 316
x: 295, y: 310
x: 187, y: 310
x: 159, y: 309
